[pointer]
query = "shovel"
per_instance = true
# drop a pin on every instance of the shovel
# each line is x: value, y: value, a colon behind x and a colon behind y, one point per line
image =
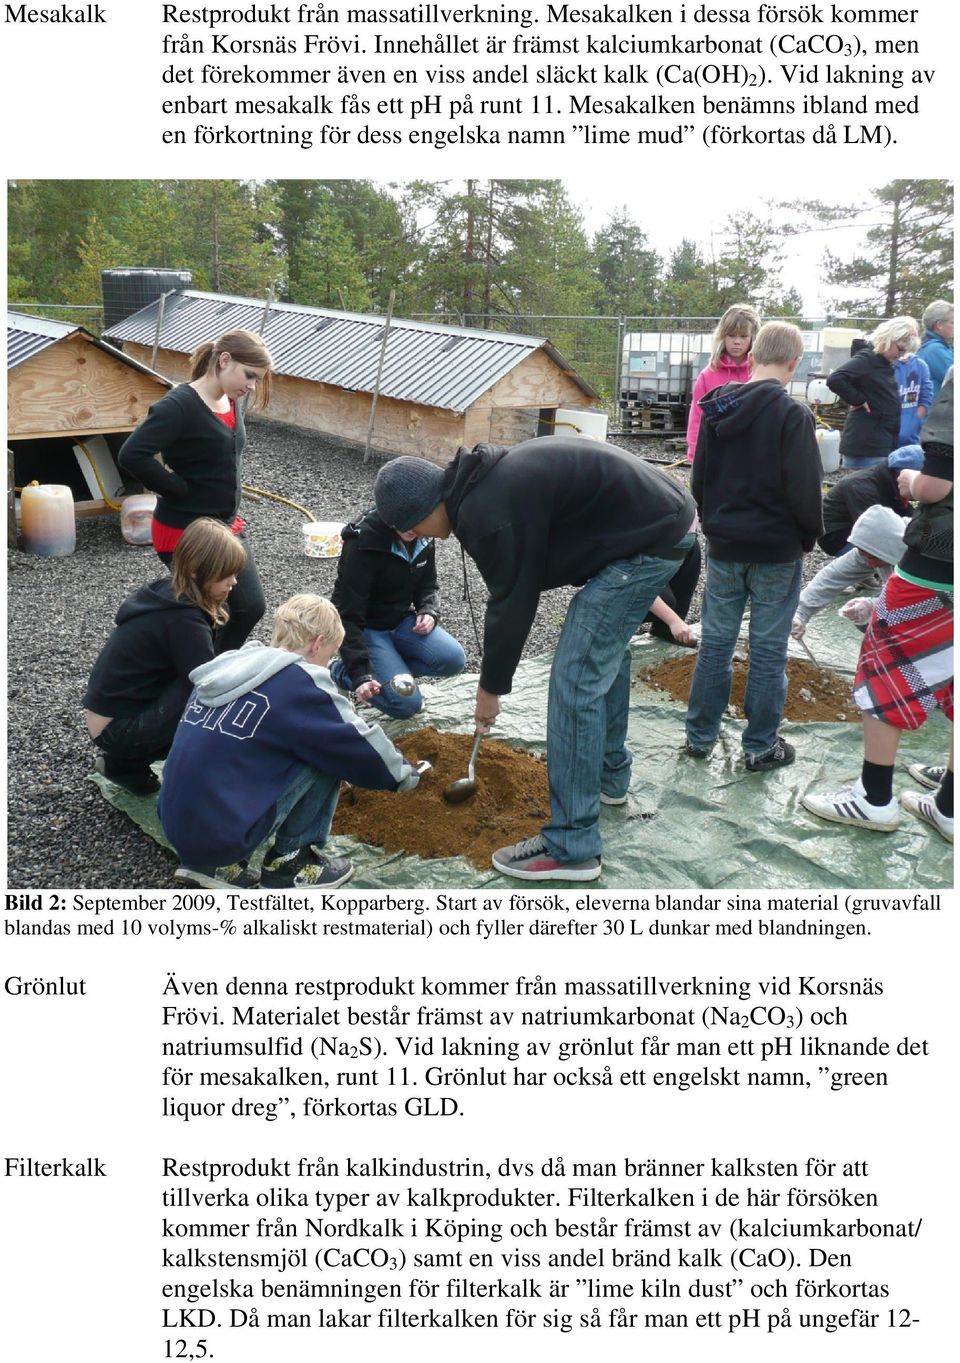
x: 458, y: 791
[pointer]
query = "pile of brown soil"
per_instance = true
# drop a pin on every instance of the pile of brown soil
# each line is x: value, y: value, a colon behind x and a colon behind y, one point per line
x: 812, y: 695
x: 512, y: 801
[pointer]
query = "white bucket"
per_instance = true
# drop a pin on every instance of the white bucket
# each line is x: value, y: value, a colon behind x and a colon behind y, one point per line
x: 829, y: 442
x: 321, y: 539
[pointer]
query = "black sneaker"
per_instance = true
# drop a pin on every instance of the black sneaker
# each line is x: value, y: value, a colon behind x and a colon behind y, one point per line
x: 930, y: 777
x: 136, y: 780
x: 235, y: 877
x: 698, y: 753
x: 781, y: 755
x: 307, y: 868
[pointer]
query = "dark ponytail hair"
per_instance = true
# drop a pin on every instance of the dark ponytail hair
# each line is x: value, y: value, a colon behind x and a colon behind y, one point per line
x: 246, y: 347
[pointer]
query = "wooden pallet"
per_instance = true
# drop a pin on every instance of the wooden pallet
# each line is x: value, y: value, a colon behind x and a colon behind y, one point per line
x: 648, y: 419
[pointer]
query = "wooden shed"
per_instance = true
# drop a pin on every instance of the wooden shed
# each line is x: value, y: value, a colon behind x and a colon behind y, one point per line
x: 440, y: 386
x: 65, y: 389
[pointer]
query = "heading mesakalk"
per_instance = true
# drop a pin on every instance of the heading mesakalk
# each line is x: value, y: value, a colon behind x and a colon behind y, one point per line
x: 64, y: 14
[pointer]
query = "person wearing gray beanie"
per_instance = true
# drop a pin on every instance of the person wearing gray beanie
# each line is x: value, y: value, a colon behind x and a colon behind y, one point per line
x: 556, y: 511
x: 406, y: 490
x: 877, y: 539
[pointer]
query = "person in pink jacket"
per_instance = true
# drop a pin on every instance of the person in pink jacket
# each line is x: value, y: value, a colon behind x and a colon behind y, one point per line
x: 729, y: 362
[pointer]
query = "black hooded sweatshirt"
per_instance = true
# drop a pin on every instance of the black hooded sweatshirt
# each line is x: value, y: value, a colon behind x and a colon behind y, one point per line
x: 157, y: 640
x: 551, y: 512
x: 376, y: 587
x: 850, y: 498
x: 756, y: 474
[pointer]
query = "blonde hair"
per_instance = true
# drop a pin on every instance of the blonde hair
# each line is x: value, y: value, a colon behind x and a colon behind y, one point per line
x: 739, y: 320
x: 303, y: 618
x: 777, y: 343
x: 246, y: 347
x: 894, y: 331
x: 206, y: 552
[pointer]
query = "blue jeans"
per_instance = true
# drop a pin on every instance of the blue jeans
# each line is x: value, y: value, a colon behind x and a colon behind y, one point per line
x: 861, y: 461
x: 589, y: 698
x: 390, y: 651
x: 305, y: 811
x: 773, y: 590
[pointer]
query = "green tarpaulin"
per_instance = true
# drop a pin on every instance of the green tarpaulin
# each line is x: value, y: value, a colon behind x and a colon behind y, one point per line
x: 688, y: 824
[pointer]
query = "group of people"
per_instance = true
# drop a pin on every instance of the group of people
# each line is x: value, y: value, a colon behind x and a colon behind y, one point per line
x: 260, y: 738
x: 256, y: 739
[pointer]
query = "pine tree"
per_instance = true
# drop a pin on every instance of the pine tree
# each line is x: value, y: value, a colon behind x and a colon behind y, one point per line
x: 907, y: 260
x: 328, y: 273
x: 627, y: 268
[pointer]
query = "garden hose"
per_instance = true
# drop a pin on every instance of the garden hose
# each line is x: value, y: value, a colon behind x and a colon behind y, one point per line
x: 108, y: 501
x: 275, y: 497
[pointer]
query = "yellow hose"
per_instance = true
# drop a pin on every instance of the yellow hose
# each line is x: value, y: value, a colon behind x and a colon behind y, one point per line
x: 108, y: 501
x: 275, y: 497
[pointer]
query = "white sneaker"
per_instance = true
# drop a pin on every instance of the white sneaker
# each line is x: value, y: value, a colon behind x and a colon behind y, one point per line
x: 931, y: 777
x: 612, y: 799
x: 925, y: 807
x: 850, y: 805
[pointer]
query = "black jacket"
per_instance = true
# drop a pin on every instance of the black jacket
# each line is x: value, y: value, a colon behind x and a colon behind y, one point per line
x: 868, y: 377
x: 377, y: 586
x: 552, y: 512
x: 756, y: 474
x: 202, y: 457
x: 851, y: 496
x: 157, y: 640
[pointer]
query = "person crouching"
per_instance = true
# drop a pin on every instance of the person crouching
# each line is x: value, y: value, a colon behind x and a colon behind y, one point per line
x: 261, y: 750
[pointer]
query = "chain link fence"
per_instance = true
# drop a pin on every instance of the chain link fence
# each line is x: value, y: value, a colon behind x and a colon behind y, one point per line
x: 606, y: 351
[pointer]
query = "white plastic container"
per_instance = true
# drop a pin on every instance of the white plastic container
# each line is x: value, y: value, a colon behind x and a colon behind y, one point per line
x: 48, y: 525
x: 817, y: 391
x: 136, y: 514
x: 836, y: 346
x: 592, y: 425
x: 829, y: 442
x: 321, y: 539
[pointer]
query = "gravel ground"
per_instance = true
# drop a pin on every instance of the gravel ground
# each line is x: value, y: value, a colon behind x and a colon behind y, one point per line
x: 61, y: 832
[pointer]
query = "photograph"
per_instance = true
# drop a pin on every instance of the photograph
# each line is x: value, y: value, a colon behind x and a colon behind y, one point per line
x: 464, y: 534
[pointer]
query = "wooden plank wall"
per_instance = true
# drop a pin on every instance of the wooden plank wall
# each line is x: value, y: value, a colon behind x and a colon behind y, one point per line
x: 406, y: 427
x: 73, y: 387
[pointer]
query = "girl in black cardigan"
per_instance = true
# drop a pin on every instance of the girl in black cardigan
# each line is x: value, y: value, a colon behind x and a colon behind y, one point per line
x: 198, y: 430
x: 140, y: 681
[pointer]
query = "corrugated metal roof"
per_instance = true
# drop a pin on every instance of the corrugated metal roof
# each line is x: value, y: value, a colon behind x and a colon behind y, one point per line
x: 425, y: 362
x: 28, y: 336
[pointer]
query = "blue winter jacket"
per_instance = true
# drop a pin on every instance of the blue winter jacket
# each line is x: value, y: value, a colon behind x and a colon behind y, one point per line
x: 938, y: 355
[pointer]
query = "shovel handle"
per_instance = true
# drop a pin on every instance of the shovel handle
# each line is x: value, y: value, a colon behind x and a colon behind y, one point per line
x: 471, y: 774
